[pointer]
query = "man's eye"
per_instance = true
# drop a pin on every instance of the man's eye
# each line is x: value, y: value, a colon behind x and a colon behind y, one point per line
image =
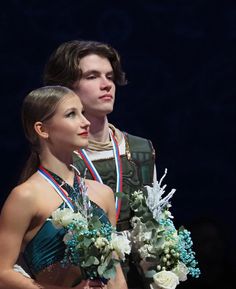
x: 92, y: 76
x: 110, y: 77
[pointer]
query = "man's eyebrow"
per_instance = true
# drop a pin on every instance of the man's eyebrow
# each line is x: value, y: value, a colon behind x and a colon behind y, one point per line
x: 91, y: 71
x: 94, y: 71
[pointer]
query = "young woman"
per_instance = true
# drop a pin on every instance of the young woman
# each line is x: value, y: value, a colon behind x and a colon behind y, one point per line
x: 55, y: 126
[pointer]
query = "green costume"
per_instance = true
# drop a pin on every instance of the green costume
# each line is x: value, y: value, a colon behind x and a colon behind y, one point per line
x: 138, y: 164
x: 137, y: 170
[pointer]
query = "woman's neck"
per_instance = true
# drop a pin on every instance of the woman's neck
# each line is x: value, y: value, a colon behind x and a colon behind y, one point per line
x: 99, y: 129
x: 60, y: 165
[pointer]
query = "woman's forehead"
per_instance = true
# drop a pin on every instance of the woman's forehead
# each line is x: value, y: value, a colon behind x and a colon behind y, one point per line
x: 70, y: 99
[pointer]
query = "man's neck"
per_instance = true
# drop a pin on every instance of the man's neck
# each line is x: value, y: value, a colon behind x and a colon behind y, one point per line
x: 99, y: 129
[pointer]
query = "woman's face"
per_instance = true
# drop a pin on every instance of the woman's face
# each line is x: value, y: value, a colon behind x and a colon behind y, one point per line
x: 68, y: 128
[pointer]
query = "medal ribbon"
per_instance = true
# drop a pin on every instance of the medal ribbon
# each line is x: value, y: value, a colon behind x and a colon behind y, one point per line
x: 61, y: 192
x: 97, y: 177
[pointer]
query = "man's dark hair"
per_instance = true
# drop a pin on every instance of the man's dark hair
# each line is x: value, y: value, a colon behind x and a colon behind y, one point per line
x: 63, y: 68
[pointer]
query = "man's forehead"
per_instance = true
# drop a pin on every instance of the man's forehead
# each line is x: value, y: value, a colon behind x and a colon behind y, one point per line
x: 94, y: 62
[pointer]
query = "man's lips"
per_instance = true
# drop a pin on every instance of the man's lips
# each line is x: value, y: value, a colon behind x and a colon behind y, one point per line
x: 106, y: 97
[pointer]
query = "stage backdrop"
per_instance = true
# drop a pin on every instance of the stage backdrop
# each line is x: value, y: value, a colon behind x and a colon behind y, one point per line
x: 180, y: 61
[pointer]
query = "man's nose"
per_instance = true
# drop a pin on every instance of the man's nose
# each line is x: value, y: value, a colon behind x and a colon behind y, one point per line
x: 106, y: 84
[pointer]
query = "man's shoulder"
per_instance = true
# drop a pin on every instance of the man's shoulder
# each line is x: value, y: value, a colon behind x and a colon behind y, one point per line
x: 137, y: 143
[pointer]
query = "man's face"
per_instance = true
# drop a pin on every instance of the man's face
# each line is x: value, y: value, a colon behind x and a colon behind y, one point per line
x: 96, y: 87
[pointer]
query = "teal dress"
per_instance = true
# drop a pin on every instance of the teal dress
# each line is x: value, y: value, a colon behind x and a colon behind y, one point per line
x: 47, y: 246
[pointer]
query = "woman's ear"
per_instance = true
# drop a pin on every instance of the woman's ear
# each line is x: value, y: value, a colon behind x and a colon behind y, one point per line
x: 41, y: 130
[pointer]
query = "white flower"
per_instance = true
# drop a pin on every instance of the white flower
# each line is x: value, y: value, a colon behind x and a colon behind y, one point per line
x: 181, y: 271
x: 121, y: 245
x: 63, y: 217
x: 144, y: 251
x: 138, y: 195
x: 168, y: 214
x: 147, y: 236
x: 165, y: 280
x: 101, y: 242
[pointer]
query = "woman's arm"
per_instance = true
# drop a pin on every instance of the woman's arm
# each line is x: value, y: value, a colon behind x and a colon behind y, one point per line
x: 15, y: 219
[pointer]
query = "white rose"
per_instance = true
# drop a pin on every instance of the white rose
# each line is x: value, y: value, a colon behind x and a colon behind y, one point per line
x: 144, y: 251
x: 101, y: 242
x: 62, y: 218
x: 147, y: 236
x: 181, y: 271
x: 121, y: 245
x: 166, y: 280
x: 140, y: 197
x: 67, y: 219
x: 137, y: 193
x: 58, y: 215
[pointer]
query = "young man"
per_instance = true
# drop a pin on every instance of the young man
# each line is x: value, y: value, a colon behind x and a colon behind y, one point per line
x: 122, y: 161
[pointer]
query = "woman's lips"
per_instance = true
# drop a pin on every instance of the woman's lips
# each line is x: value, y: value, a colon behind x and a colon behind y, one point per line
x: 85, y: 134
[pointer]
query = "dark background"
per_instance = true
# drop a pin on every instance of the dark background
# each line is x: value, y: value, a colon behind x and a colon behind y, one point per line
x: 180, y: 61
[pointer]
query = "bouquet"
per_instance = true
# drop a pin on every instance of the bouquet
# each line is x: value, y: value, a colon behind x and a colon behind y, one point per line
x: 156, y: 239
x: 90, y: 243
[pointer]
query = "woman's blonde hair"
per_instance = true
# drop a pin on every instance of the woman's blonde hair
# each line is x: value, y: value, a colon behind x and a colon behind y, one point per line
x: 39, y: 105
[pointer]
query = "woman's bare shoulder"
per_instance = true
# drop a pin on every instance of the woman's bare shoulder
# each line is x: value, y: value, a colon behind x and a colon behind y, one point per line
x: 25, y: 192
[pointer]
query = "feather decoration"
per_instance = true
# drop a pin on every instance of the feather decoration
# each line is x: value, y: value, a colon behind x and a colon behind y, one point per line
x: 154, y: 200
x: 83, y: 201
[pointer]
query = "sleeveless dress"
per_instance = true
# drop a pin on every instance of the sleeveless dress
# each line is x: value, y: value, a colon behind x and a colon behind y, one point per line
x: 47, y: 246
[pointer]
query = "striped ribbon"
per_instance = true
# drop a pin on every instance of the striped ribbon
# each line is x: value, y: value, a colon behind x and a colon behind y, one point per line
x: 97, y: 177
x: 61, y: 192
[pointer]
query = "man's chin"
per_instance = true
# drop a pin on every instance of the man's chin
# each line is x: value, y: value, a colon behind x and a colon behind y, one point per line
x: 109, y: 111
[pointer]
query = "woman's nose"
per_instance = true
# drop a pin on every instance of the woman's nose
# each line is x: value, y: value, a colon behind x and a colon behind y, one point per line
x: 86, y: 122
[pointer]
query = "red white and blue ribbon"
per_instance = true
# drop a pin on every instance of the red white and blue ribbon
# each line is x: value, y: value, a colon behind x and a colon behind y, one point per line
x: 97, y: 177
x: 61, y: 192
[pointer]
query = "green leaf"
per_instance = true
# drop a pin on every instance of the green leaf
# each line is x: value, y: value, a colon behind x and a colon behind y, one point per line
x: 90, y: 261
x: 151, y: 225
x: 96, y: 261
x: 101, y: 269
x: 149, y: 274
x: 110, y: 273
x: 95, y: 223
x: 146, y: 217
x: 87, y: 242
x: 158, y: 243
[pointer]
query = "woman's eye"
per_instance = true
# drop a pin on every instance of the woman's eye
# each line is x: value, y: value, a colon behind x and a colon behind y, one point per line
x: 70, y: 114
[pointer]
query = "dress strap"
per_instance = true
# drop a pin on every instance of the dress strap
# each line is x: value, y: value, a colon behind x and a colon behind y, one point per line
x: 61, y: 192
